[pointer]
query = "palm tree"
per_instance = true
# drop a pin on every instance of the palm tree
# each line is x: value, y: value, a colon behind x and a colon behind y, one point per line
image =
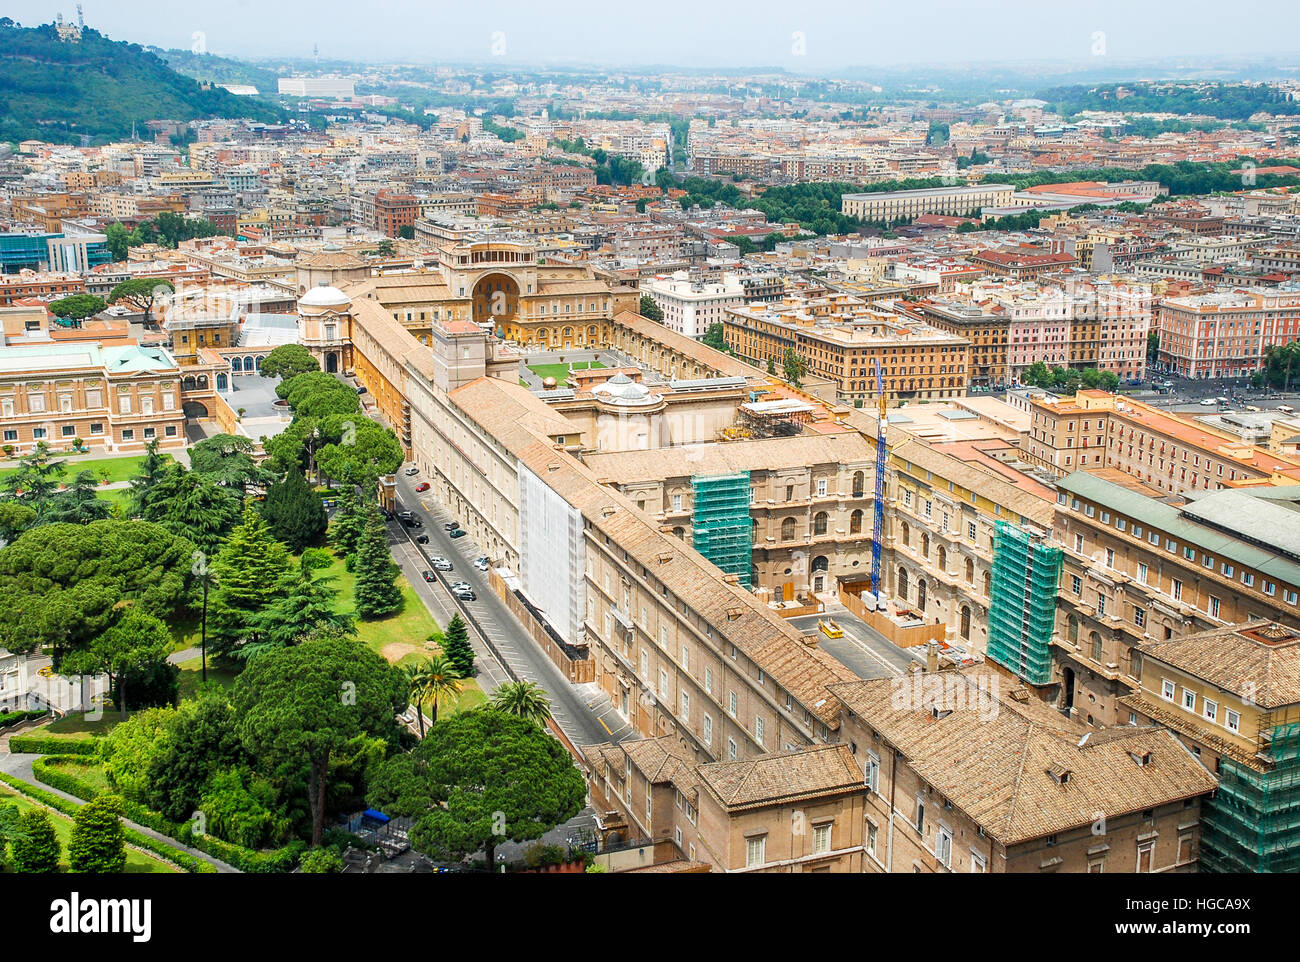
x: 523, y: 698
x: 431, y: 681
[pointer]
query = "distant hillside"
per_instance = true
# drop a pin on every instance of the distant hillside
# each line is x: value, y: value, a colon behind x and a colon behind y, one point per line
x: 1224, y: 101
x: 62, y: 91
x: 221, y: 70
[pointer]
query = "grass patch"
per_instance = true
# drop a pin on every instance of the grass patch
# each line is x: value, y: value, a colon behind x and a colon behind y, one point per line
x: 114, y: 469
x: 137, y: 862
x: 77, y: 725
x: 84, y: 769
x: 191, y: 678
x: 115, y: 496
x: 401, y: 638
x: 561, y: 371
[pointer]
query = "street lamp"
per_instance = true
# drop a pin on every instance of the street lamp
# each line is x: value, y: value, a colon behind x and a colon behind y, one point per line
x: 501, y: 860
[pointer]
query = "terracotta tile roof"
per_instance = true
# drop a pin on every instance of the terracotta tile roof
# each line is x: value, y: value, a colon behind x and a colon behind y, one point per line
x: 1242, y: 660
x: 994, y: 756
x: 782, y: 777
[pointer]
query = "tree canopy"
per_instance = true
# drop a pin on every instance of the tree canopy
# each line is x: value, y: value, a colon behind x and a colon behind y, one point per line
x: 478, y: 778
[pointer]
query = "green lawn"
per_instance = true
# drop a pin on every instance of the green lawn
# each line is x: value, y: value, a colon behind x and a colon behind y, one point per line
x: 76, y: 725
x: 119, y: 469
x: 400, y: 638
x: 137, y: 862
x: 561, y: 371
x: 191, y: 678
x: 86, y: 769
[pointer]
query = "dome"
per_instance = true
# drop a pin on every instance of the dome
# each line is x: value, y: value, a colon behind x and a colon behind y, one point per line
x: 324, y: 296
x: 621, y: 389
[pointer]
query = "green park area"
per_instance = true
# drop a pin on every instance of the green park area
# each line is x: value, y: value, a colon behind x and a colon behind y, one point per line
x: 317, y: 650
x: 561, y: 371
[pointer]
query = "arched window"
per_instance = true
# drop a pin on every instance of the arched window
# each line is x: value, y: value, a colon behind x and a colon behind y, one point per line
x: 821, y: 563
x: 970, y: 572
x: 859, y: 483
x: 925, y: 544
x: 236, y: 365
x: 820, y: 522
x: 787, y: 529
x: 988, y: 585
x: 1096, y: 646
x: 943, y: 558
x: 680, y: 532
x: 965, y: 621
x: 920, y: 594
x: 907, y: 535
x: 902, y: 582
x: 1072, y: 629
x: 855, y: 522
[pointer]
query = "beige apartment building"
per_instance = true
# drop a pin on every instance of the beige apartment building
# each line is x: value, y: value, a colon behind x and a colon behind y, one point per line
x: 966, y: 772
x: 896, y: 205
x: 115, y: 398
x: 1139, y: 569
x: 810, y: 501
x: 1174, y: 455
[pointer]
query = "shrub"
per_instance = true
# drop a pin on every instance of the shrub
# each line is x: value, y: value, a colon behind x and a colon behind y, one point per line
x: 322, y: 861
x: 48, y: 745
x: 237, y: 806
x: 98, y: 843
x: 37, y: 849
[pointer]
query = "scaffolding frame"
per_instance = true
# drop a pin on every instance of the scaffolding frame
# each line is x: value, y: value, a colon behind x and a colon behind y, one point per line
x: 1022, y: 604
x: 721, y: 528
x: 1252, y: 824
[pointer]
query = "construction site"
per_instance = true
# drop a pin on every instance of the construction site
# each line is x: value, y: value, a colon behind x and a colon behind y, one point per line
x: 1022, y: 609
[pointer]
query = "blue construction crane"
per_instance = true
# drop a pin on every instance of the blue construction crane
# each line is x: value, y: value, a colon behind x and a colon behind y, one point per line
x: 882, y: 450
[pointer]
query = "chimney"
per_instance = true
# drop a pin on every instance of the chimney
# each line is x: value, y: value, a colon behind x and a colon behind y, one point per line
x: 931, y: 656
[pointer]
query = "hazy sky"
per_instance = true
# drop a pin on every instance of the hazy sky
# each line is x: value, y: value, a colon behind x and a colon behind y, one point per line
x: 832, y: 34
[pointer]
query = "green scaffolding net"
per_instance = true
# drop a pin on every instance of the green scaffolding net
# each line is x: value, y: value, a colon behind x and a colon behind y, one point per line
x: 1253, y: 822
x: 721, y: 526
x: 1022, y: 606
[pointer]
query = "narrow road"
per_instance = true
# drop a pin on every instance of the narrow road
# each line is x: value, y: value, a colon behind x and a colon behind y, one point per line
x: 584, y: 713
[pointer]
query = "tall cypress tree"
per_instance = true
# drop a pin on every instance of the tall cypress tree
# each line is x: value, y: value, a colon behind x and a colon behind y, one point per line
x: 377, y: 594
x: 456, y: 646
x: 248, y: 572
x: 294, y: 512
x: 345, y: 530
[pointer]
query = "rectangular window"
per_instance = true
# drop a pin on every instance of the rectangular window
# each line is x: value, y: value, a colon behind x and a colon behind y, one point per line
x: 1176, y: 589
x: 821, y: 839
x: 708, y: 680
x: 872, y: 834
x: 871, y: 778
x: 758, y: 729
x: 943, y: 848
x: 1142, y: 573
x: 1139, y: 617
x: 663, y: 683
x: 686, y: 707
x: 708, y: 730
x: 1233, y: 721
x: 731, y: 703
x: 1166, y: 689
x: 1189, y: 700
x: 731, y: 749
x: 1211, y: 710
x: 755, y: 851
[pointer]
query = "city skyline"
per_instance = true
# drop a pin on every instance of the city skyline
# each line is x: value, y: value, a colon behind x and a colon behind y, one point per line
x: 837, y: 37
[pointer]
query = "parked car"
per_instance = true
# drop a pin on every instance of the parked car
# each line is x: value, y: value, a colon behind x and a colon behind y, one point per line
x: 429, y: 576
x: 405, y: 515
x: 451, y: 526
x: 462, y: 586
x: 1207, y: 402
x: 466, y: 595
x: 412, y: 471
x: 361, y: 389
x: 442, y: 564
x: 482, y: 564
x: 458, y: 533
x: 413, y: 522
x: 422, y: 486
x: 422, y: 539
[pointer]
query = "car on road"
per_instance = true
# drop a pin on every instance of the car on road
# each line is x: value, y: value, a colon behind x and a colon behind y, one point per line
x: 422, y: 486
x: 413, y: 522
x: 442, y: 564
x: 482, y: 564
x: 466, y: 595
x: 461, y: 586
x: 458, y: 533
x: 422, y: 539
x: 1207, y: 402
x: 403, y: 515
x: 429, y: 576
x: 451, y: 526
x: 412, y: 471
